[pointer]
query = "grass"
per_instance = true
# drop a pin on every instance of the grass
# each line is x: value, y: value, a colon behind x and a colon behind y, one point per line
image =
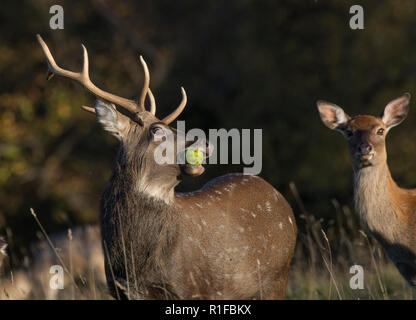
x: 325, y: 252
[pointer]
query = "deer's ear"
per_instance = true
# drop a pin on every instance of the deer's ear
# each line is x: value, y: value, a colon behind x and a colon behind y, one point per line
x: 396, y: 111
x: 110, y: 119
x: 332, y: 115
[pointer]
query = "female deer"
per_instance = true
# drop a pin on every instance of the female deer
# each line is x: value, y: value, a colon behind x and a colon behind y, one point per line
x: 388, y: 211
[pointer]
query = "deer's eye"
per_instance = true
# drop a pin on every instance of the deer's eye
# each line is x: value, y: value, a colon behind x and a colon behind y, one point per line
x: 380, y: 131
x: 348, y: 133
x: 158, y: 132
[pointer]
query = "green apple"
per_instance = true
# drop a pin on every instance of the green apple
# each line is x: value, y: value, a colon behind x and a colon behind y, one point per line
x: 194, y: 157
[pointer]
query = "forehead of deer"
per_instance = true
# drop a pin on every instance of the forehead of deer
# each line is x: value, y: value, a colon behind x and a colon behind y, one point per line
x: 147, y: 117
x: 365, y: 122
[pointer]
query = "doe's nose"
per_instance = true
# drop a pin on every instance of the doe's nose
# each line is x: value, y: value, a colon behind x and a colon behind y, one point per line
x: 364, y: 148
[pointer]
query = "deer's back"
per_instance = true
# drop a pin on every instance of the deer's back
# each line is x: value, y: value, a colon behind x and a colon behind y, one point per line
x: 239, y: 227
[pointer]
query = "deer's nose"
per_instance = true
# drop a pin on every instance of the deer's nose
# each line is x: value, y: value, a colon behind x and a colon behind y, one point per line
x: 365, y: 148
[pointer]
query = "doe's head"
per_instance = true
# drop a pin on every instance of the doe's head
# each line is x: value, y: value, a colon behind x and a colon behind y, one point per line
x: 365, y: 134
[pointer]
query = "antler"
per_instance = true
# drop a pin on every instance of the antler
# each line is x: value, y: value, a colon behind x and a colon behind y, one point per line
x: 178, y: 110
x: 84, y: 79
x: 152, y: 102
x: 146, y: 88
x: 145, y: 83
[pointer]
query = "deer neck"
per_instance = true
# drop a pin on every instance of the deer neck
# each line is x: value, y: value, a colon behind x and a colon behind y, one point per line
x: 373, y: 188
x: 148, y: 180
x: 155, y: 188
x: 135, y: 197
x: 139, y: 226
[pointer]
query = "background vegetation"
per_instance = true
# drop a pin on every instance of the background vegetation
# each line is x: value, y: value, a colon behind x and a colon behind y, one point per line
x: 244, y: 64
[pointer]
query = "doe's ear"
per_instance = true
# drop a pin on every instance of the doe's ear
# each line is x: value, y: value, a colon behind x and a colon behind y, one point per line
x: 332, y: 115
x: 110, y: 119
x: 396, y: 111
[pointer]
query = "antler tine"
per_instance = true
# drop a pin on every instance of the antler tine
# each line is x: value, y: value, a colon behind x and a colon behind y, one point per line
x: 178, y: 110
x: 84, y: 79
x: 88, y: 109
x: 152, y: 102
x: 146, y: 83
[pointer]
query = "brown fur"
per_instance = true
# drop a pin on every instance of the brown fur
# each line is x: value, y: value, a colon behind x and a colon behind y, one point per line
x: 159, y: 244
x: 388, y: 211
x: 233, y: 239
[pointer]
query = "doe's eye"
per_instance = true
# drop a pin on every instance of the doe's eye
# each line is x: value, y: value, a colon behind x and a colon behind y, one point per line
x: 380, y: 131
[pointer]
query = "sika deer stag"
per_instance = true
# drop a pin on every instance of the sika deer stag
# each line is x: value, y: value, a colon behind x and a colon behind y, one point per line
x: 232, y: 239
x: 387, y: 210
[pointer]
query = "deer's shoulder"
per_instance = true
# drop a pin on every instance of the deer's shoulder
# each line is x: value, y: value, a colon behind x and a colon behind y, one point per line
x: 235, y: 179
x: 231, y: 184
